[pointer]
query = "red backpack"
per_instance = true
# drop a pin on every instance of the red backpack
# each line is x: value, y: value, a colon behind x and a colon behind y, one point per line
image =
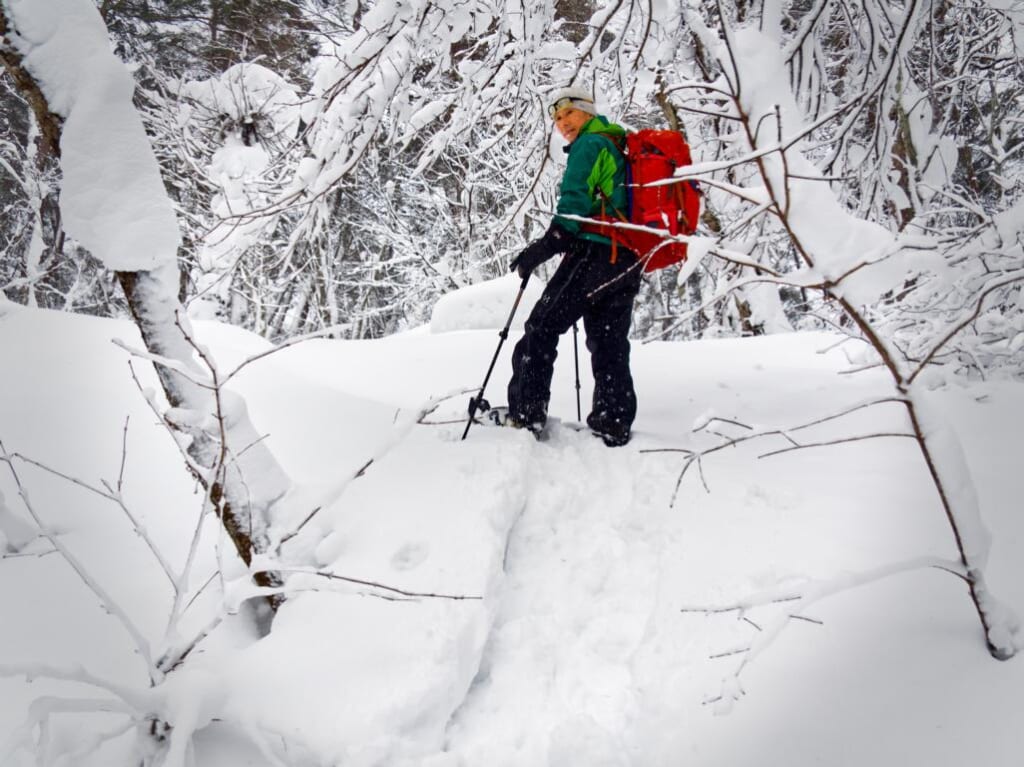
x: 671, y: 209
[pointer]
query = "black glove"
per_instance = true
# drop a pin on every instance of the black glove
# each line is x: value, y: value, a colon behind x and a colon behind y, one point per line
x: 555, y: 240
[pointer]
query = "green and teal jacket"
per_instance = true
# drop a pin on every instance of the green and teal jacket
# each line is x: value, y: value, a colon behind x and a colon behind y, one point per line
x: 595, y: 165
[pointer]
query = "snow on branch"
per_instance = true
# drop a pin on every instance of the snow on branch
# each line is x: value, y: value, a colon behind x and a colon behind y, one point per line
x: 909, y: 293
x: 969, y: 316
x: 31, y: 671
x: 707, y: 424
x: 795, y: 602
x: 135, y: 704
x: 246, y: 590
x: 112, y: 199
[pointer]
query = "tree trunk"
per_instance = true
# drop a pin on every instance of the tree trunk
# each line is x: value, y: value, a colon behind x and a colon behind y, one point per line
x: 153, y: 301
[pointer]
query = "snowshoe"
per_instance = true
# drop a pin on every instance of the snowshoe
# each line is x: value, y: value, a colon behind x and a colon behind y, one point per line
x: 500, y: 416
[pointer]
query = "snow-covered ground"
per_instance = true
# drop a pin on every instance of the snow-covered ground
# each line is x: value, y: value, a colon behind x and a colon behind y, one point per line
x: 578, y: 636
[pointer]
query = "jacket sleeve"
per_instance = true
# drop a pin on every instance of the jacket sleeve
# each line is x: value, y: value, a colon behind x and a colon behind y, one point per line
x: 591, y: 167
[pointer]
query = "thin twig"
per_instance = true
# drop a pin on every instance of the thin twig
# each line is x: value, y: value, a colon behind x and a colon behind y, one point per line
x: 729, y: 653
x: 124, y: 454
x: 832, y: 442
x: 325, y: 332
x: 114, y: 497
x: 809, y: 594
x: 109, y: 604
x: 806, y: 619
x: 430, y: 406
x: 376, y: 585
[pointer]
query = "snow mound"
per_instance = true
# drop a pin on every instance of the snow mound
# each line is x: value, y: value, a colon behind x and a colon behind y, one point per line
x: 354, y: 678
x: 586, y: 642
x: 484, y: 306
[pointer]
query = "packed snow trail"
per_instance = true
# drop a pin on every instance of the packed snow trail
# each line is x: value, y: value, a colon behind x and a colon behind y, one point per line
x: 557, y: 679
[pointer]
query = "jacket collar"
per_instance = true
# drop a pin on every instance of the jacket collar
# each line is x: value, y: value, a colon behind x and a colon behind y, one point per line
x: 596, y: 124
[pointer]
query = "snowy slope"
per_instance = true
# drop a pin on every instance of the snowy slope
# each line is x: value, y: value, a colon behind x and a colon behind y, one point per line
x: 579, y: 650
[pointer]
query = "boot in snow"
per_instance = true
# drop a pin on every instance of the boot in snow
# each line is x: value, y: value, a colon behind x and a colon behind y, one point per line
x: 612, y: 431
x: 500, y: 416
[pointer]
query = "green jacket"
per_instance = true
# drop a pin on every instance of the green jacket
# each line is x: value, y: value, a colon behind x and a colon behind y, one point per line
x: 595, y: 164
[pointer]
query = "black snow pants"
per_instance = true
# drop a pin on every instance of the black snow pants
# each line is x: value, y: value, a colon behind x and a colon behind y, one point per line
x: 586, y: 284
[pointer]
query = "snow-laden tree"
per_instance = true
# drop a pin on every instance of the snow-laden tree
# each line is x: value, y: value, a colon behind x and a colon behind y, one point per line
x: 113, y: 203
x: 39, y: 266
x: 853, y: 177
x: 202, y: 37
x: 421, y: 156
x: 425, y: 158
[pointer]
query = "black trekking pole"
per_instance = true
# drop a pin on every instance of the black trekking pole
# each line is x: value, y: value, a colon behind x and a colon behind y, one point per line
x: 576, y: 359
x: 478, y: 401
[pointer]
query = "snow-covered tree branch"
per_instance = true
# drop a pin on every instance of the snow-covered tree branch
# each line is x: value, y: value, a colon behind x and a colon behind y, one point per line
x: 878, y: 279
x: 83, y: 94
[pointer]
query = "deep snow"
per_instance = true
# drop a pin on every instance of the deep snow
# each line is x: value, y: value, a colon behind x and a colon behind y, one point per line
x: 579, y: 651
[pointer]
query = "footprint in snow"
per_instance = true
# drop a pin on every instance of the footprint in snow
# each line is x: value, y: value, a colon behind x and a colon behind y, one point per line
x: 410, y: 556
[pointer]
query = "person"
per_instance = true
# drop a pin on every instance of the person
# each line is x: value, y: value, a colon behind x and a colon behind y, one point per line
x: 596, y: 280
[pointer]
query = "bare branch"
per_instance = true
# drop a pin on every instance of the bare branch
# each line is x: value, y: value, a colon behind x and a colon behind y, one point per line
x: 124, y: 455
x: 804, y: 596
x: 325, y: 333
x: 837, y: 441
x: 115, y: 497
x: 375, y: 585
x: 963, y: 322
x: 108, y: 603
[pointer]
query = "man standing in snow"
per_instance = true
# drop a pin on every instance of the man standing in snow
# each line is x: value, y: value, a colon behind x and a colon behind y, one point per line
x: 594, y: 280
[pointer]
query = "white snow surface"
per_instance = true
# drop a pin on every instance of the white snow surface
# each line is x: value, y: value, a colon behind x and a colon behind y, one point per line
x: 572, y: 640
x: 112, y: 197
x: 485, y: 305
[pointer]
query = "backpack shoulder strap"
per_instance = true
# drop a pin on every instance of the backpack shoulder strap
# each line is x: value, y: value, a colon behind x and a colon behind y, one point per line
x: 618, y: 141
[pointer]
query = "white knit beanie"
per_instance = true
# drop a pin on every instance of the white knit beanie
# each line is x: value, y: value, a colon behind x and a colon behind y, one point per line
x: 577, y: 98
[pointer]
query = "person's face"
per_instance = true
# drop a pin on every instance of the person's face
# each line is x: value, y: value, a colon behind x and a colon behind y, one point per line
x: 570, y: 122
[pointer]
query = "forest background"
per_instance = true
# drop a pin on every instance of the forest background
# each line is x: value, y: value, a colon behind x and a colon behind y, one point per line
x: 343, y: 164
